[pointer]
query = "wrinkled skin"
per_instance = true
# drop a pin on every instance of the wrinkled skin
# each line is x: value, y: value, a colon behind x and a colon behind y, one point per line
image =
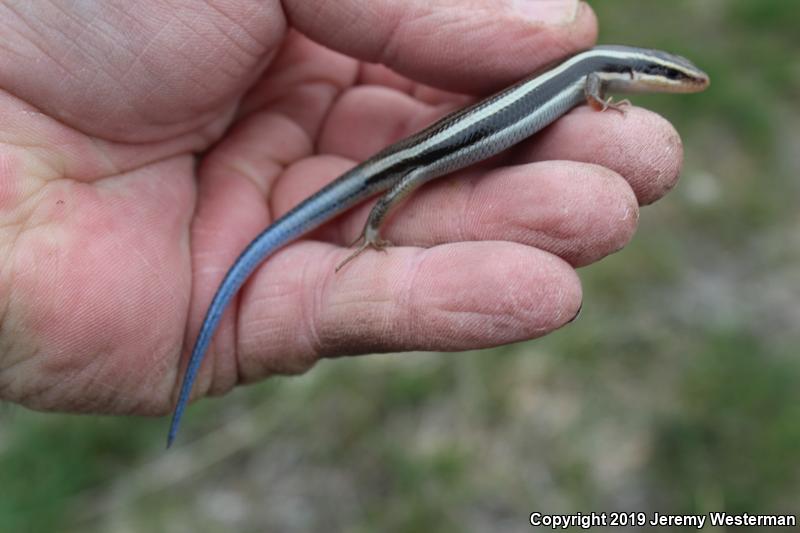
x: 145, y: 143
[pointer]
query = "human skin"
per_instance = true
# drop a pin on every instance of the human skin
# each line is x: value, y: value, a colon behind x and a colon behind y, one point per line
x: 144, y: 144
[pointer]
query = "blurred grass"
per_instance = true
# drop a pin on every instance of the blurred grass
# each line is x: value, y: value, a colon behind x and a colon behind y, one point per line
x: 676, y: 390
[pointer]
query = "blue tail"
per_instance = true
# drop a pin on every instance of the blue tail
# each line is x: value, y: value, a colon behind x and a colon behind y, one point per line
x: 312, y: 212
x: 259, y: 249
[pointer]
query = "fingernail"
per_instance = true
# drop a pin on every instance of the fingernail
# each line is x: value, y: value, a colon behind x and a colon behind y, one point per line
x: 573, y: 319
x: 553, y: 12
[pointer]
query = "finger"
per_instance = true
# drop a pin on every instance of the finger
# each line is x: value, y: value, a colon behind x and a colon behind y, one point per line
x: 577, y: 211
x: 372, y: 74
x: 638, y: 144
x: 363, y: 121
x: 469, y: 46
x: 454, y: 297
x: 375, y: 74
x: 231, y: 210
x: 367, y: 119
x: 280, y: 118
x: 301, y: 82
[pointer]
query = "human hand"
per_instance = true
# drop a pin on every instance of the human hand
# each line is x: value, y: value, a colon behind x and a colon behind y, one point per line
x: 114, y: 240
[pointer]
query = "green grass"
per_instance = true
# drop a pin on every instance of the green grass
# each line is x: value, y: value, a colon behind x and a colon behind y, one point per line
x: 49, y: 457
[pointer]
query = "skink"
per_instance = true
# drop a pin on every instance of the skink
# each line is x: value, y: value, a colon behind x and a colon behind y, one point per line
x: 456, y: 141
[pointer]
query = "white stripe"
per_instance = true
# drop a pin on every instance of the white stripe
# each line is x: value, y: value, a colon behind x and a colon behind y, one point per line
x: 517, y: 94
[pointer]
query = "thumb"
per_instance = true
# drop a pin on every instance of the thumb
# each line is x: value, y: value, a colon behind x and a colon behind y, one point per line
x: 464, y: 45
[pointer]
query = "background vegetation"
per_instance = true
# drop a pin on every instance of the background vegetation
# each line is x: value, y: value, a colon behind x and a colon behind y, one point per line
x: 676, y: 390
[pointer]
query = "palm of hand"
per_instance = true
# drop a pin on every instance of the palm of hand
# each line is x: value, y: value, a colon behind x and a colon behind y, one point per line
x: 104, y: 230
